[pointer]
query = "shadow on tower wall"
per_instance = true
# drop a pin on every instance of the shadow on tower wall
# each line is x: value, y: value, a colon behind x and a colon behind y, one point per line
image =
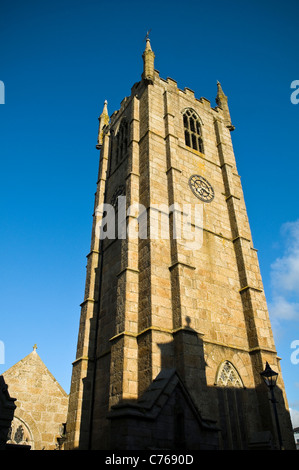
x: 179, y: 411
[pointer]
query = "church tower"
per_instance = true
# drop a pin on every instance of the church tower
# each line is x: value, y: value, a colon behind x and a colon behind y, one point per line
x: 174, y: 329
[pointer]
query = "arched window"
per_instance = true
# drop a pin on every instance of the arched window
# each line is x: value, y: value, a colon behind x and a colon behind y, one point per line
x: 20, y: 433
x: 231, y: 407
x: 192, y: 128
x: 122, y: 141
x: 228, y: 376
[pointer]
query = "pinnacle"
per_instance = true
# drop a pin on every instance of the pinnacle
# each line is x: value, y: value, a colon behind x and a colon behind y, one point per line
x: 148, y: 45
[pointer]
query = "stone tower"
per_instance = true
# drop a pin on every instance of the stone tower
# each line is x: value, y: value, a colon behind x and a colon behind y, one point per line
x: 174, y: 328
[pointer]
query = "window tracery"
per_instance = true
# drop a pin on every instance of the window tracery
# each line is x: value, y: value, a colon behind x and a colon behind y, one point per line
x: 192, y: 129
x: 19, y: 433
x: 228, y: 376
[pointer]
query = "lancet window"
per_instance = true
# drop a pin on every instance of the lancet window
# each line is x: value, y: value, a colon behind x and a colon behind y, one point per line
x: 122, y: 141
x: 231, y: 407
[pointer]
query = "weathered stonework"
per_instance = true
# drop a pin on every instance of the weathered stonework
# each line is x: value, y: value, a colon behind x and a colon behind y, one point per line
x: 41, y: 404
x: 154, y: 305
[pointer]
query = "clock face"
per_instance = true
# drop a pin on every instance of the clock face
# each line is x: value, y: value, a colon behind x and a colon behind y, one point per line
x: 201, y: 188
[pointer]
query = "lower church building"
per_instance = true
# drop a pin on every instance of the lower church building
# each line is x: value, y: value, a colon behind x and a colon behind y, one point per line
x: 174, y: 329
x: 38, y: 406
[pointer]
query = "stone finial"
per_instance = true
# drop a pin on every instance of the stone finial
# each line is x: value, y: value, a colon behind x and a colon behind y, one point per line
x: 148, y: 46
x: 148, y: 62
x: 103, y: 121
x: 105, y: 109
x: 221, y: 100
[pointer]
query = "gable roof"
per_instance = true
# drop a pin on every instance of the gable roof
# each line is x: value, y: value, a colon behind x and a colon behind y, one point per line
x: 155, y: 397
x: 32, y: 369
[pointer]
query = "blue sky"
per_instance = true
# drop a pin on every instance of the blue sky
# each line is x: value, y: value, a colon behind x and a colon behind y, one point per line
x: 59, y: 61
